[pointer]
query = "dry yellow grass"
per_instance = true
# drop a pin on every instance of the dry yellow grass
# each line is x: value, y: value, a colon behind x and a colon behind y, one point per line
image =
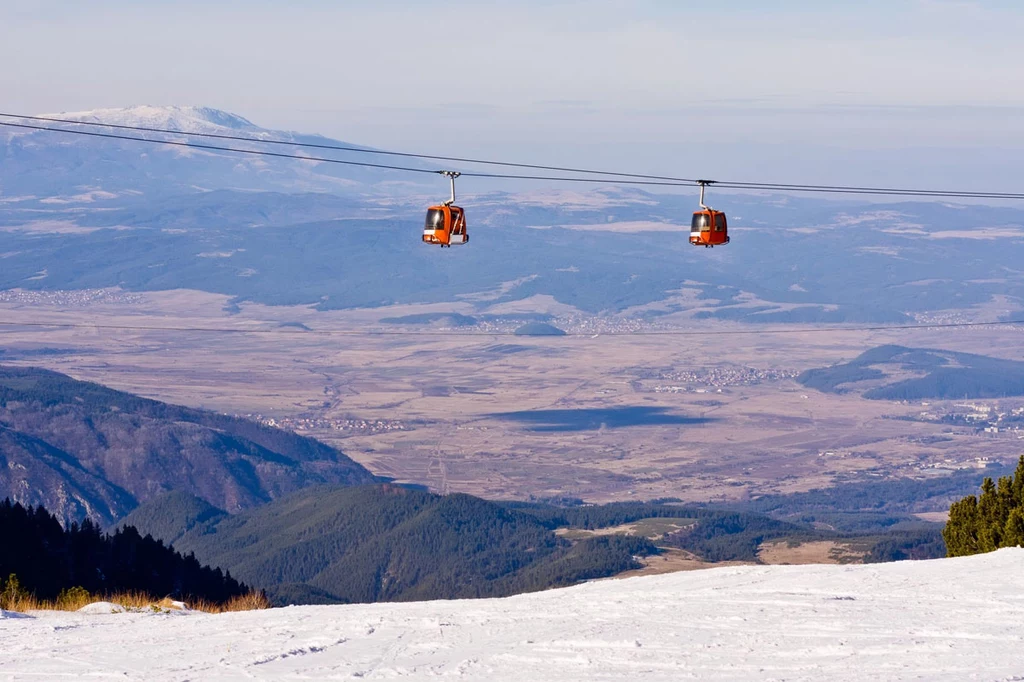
x: 816, y: 552
x: 673, y: 560
x: 73, y: 600
x: 253, y: 601
x: 650, y: 528
x: 19, y: 602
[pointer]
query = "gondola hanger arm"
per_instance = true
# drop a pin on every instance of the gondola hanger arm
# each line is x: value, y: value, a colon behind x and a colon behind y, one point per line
x: 451, y: 175
x: 703, y: 184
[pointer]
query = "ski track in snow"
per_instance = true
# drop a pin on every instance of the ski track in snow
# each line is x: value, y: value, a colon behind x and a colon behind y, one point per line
x: 949, y: 619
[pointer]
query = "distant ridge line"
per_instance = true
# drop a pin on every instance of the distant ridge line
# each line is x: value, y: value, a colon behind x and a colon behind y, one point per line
x: 620, y: 177
x: 443, y: 333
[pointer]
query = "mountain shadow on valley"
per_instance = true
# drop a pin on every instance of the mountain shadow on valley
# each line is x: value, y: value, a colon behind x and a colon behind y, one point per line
x: 592, y: 419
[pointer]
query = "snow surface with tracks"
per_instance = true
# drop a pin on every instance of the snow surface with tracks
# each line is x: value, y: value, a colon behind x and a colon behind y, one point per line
x: 949, y: 619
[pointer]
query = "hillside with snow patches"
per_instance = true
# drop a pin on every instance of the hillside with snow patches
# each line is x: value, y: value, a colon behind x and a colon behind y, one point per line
x: 146, y: 217
x: 948, y: 619
x: 64, y: 167
x: 187, y: 119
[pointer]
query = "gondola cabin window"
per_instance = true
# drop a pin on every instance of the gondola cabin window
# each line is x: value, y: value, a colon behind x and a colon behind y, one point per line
x: 435, y: 219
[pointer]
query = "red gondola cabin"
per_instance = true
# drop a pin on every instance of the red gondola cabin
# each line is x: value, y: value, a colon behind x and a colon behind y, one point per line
x: 709, y: 227
x: 446, y: 223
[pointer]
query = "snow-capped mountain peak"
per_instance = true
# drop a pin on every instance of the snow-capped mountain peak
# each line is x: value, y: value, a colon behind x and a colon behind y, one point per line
x: 58, y: 162
x: 189, y: 119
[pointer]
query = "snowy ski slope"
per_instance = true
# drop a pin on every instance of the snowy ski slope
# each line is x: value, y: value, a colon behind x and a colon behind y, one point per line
x: 950, y: 619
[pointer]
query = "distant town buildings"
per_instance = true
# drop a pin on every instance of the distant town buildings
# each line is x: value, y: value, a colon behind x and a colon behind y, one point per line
x: 361, y: 426
x: 1003, y: 418
x: 714, y: 379
x: 69, y: 299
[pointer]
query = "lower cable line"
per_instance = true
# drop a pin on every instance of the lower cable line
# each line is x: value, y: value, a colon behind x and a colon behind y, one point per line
x: 579, y: 174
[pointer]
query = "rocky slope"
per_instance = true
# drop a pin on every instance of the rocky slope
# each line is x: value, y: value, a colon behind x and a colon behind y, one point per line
x: 81, y: 449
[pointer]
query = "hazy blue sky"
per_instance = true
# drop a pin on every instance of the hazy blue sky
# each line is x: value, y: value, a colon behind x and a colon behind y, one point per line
x: 908, y: 91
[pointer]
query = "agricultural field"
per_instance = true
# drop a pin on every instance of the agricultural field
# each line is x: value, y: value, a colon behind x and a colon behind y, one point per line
x: 598, y: 417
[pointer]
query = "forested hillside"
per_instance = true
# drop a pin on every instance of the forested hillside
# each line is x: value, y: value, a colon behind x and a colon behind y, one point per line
x: 171, y: 515
x: 84, y: 450
x: 387, y: 543
x: 47, y: 558
x: 728, y: 532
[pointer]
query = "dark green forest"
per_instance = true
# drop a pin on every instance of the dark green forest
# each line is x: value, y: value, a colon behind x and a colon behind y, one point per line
x: 48, y: 558
x: 733, y: 531
x: 391, y: 543
x: 374, y: 543
x: 989, y: 521
x: 172, y: 515
x: 386, y: 543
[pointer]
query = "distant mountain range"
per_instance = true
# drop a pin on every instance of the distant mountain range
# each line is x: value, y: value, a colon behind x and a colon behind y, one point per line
x: 70, y: 169
x: 81, y: 449
x: 81, y: 213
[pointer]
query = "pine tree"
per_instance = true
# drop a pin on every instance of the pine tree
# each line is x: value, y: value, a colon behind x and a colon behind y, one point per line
x: 51, y: 560
x: 990, y: 530
x: 990, y: 521
x: 961, y: 531
x: 1017, y: 487
x: 1013, y: 535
